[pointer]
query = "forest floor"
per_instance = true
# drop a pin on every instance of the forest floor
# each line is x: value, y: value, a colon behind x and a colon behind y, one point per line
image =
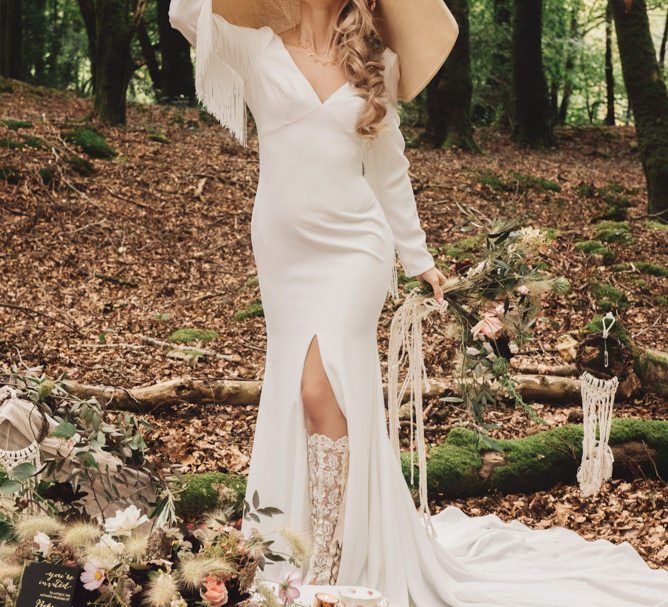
x: 98, y: 254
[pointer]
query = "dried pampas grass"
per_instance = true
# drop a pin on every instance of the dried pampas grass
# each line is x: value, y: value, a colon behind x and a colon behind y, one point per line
x: 28, y: 526
x: 161, y: 590
x: 192, y: 571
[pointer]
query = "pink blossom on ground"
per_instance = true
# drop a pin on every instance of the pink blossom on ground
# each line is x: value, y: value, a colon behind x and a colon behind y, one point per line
x: 288, y: 590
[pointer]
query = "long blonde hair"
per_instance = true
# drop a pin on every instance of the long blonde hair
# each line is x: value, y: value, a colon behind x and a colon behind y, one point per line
x: 360, y: 50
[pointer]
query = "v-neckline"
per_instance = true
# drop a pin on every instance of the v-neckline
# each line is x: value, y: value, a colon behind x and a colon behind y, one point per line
x: 305, y: 79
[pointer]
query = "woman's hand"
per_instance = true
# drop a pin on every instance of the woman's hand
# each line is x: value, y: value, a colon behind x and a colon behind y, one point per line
x: 436, y: 279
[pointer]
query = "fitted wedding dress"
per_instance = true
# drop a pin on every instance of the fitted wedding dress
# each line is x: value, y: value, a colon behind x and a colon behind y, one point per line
x: 328, y: 213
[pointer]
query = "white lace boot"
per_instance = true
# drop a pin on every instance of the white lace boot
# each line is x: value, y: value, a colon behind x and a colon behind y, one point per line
x: 328, y: 475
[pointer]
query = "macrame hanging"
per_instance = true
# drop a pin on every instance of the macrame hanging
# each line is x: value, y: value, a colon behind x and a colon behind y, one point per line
x: 598, y: 397
x: 406, y: 348
x: 10, y: 458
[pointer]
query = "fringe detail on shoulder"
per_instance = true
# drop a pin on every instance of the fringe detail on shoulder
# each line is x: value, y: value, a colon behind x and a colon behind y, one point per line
x: 406, y: 347
x: 217, y: 84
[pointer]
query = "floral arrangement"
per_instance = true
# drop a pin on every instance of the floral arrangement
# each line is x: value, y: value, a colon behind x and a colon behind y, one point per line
x: 126, y: 561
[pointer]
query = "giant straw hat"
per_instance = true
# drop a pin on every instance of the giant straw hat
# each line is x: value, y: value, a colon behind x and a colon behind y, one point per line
x: 421, y: 32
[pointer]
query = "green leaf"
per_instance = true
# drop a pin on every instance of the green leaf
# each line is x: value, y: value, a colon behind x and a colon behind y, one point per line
x: 22, y: 472
x: 9, y: 487
x: 64, y: 429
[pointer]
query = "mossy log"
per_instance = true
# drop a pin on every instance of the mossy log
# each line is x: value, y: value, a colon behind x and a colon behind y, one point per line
x: 459, y: 468
x: 542, y: 388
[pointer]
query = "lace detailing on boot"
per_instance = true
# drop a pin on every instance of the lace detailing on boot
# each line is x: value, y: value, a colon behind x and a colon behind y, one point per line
x: 328, y: 475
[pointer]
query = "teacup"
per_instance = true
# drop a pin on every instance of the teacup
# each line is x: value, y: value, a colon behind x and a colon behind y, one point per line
x: 358, y: 596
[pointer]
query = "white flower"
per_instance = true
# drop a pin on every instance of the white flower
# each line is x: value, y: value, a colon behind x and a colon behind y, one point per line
x: 93, y: 575
x: 500, y: 310
x: 125, y: 521
x: 44, y: 543
x: 523, y: 290
x: 514, y: 348
x: 111, y: 544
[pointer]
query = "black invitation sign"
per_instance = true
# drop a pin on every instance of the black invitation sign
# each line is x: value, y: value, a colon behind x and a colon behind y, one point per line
x: 46, y: 585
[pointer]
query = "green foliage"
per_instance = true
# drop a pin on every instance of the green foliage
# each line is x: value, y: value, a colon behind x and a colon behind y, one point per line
x: 199, y: 494
x: 188, y: 335
x: 80, y: 165
x: 596, y: 247
x: 10, y: 174
x: 608, y: 297
x: 15, y: 125
x: 48, y: 175
x: 11, y: 144
x: 158, y: 137
x: 645, y: 267
x: 613, y: 231
x: 91, y: 142
x: 250, y: 311
x: 465, y: 247
x: 517, y: 182
x: 595, y: 327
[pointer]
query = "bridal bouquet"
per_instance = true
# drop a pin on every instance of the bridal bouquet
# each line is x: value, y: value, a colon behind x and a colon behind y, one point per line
x: 126, y: 562
x: 494, y: 301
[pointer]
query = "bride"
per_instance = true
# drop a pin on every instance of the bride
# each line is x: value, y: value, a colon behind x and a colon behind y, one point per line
x: 334, y: 203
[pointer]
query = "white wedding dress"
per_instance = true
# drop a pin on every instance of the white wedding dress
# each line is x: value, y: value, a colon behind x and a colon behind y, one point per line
x: 328, y: 214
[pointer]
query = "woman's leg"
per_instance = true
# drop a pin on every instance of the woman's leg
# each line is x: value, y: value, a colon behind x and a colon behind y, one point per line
x: 328, y: 454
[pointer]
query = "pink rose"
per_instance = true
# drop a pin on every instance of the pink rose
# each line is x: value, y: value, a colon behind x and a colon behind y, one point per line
x: 488, y: 326
x: 215, y: 591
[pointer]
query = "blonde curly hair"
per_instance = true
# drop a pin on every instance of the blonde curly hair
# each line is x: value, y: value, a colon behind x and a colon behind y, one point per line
x: 360, y: 51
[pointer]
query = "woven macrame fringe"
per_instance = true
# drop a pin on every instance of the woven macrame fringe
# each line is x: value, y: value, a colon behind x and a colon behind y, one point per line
x: 393, y: 291
x: 598, y: 397
x: 217, y: 85
x: 406, y: 348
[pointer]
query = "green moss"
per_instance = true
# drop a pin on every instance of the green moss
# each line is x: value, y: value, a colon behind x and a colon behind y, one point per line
x: 47, y: 175
x: 11, y: 144
x: 15, y: 125
x: 595, y: 327
x: 517, y: 182
x: 5, y: 87
x: 661, y: 300
x: 252, y: 310
x: 533, y: 462
x: 159, y: 137
x: 189, y: 335
x: 613, y: 231
x: 608, y: 297
x: 10, y: 174
x: 202, y: 493
x: 651, y: 268
x: 657, y: 225
x: 91, y: 142
x: 80, y: 165
x: 596, y: 247
x: 34, y: 142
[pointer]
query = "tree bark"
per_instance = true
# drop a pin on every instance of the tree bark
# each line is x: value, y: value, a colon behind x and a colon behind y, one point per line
x: 532, y: 123
x: 500, y: 78
x: 449, y: 93
x: 609, y: 71
x: 569, y: 68
x: 11, y: 39
x: 647, y: 96
x: 178, y: 79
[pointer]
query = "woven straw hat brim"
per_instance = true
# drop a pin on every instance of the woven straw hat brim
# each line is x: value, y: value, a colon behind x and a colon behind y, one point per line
x: 421, y: 32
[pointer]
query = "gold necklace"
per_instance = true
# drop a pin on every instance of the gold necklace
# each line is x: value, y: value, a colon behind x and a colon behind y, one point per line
x: 314, y: 55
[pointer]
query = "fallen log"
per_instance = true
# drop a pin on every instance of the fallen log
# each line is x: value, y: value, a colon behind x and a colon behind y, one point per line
x: 541, y: 388
x: 458, y: 468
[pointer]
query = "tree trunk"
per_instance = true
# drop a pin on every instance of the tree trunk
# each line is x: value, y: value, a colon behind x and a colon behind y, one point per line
x: 114, y: 29
x: 152, y: 64
x: 569, y: 68
x: 35, y: 28
x: 88, y: 14
x: 178, y: 80
x: 11, y: 63
x: 647, y: 96
x: 532, y: 124
x: 449, y: 93
x: 664, y: 41
x: 458, y: 468
x: 498, y: 85
x: 609, y: 72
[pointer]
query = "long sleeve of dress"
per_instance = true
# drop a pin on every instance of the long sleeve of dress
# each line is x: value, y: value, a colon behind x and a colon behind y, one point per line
x: 225, y: 57
x: 386, y: 169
